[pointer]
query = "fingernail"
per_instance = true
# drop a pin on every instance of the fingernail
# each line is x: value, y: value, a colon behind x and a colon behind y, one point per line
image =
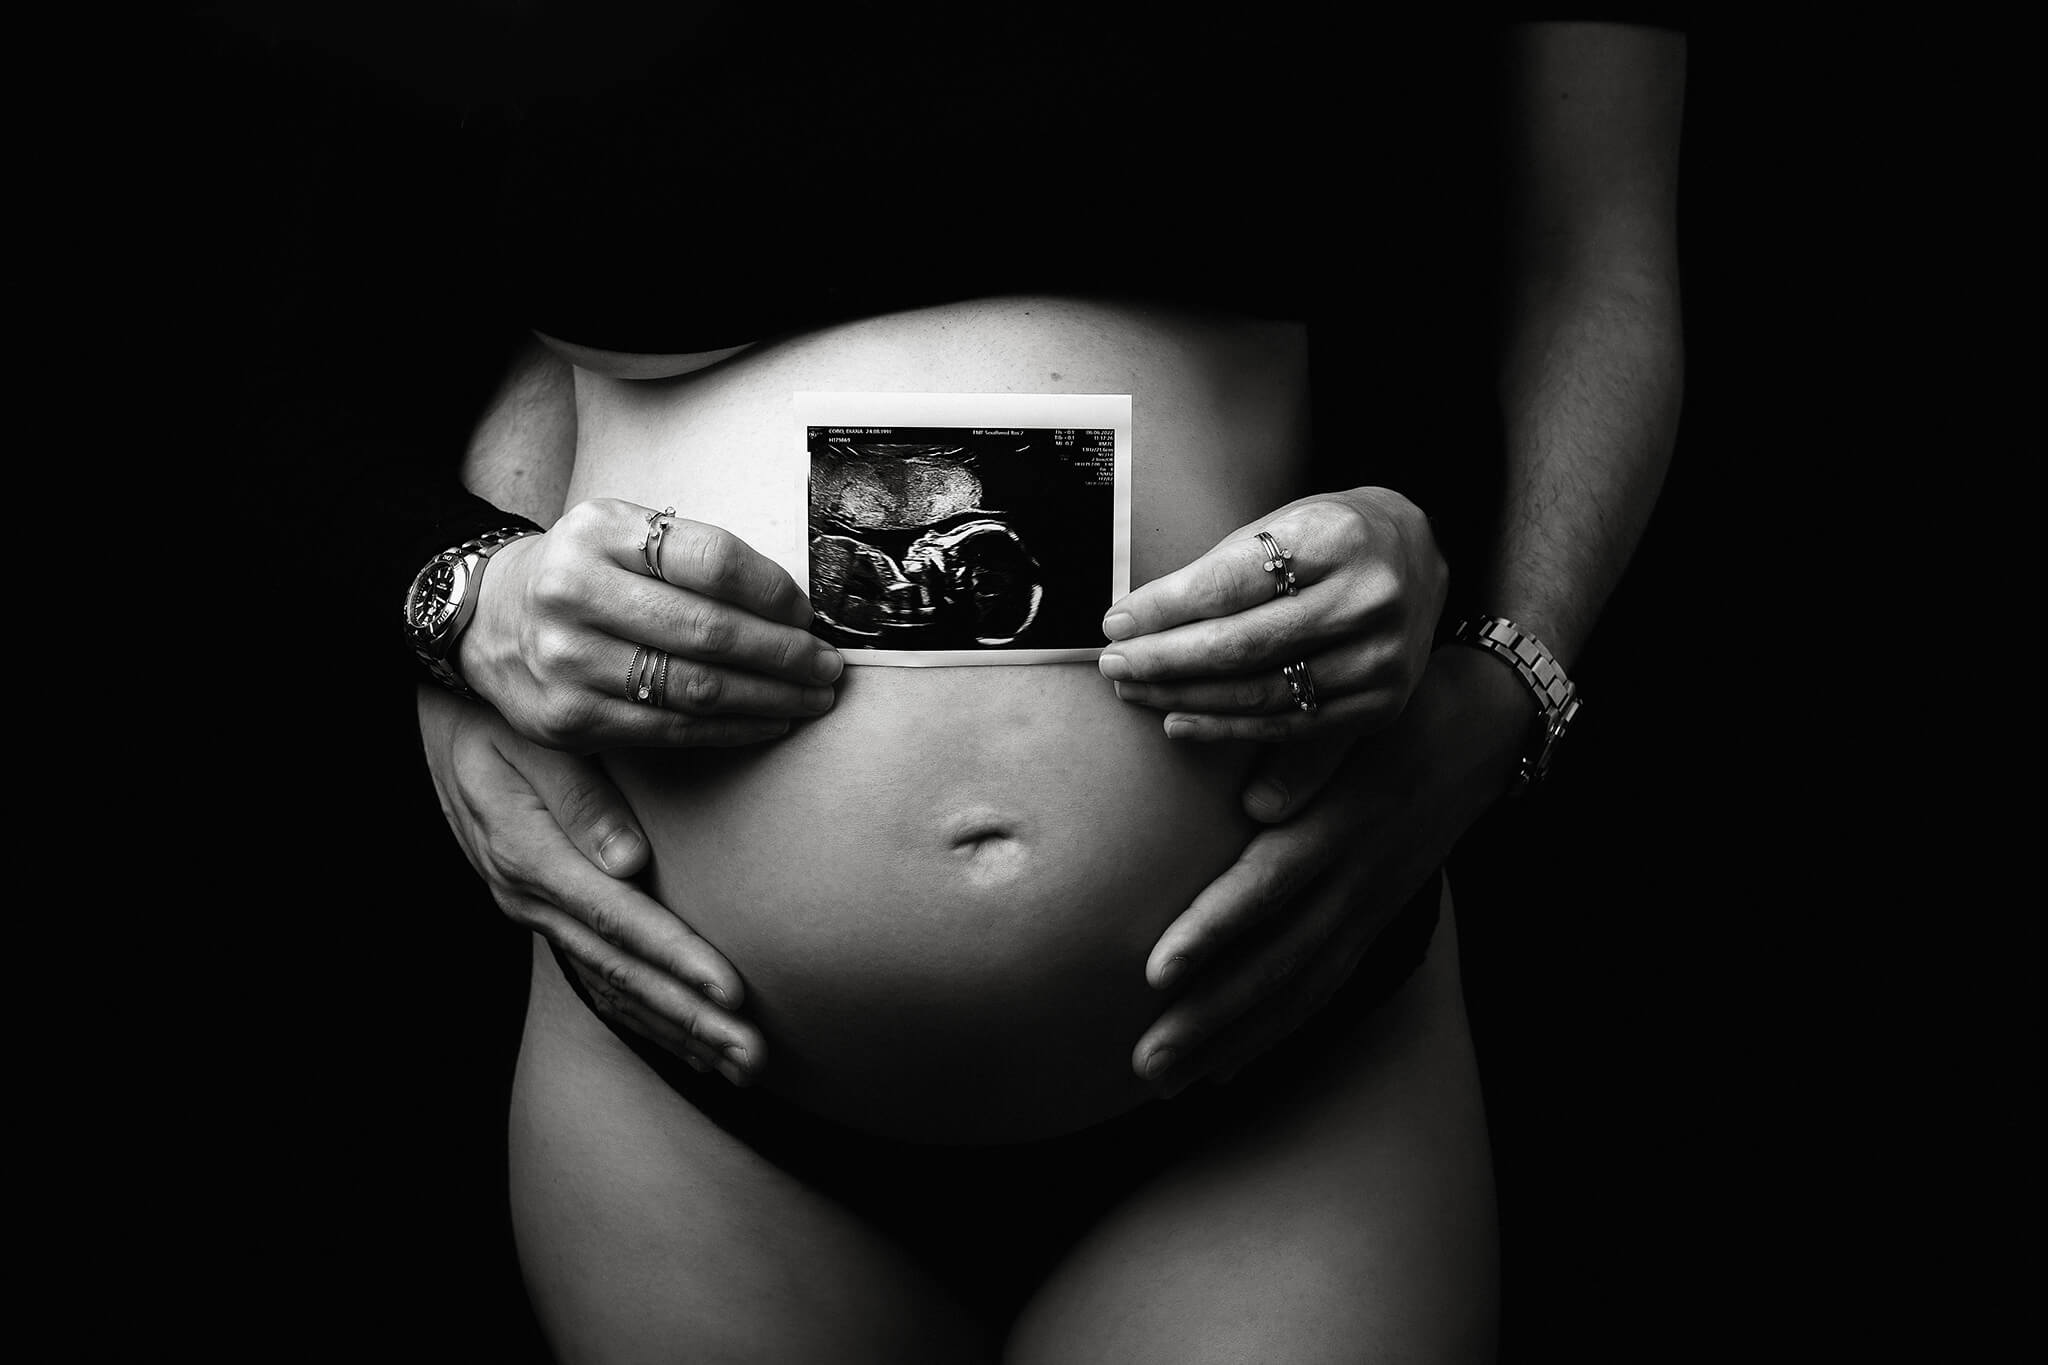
x: 1170, y: 970
x: 1116, y: 668
x: 1179, y: 727
x: 1119, y: 625
x: 826, y: 665
x: 738, y: 1055
x: 817, y: 699
x: 618, y: 849
x: 1159, y: 1061
x: 717, y: 993
x: 1265, y: 798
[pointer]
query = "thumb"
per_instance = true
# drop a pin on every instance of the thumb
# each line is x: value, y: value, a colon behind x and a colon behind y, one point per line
x: 589, y: 807
x: 1288, y: 776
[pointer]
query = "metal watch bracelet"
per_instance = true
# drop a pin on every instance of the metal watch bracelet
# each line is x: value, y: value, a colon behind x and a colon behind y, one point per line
x: 483, y: 546
x: 1557, y: 696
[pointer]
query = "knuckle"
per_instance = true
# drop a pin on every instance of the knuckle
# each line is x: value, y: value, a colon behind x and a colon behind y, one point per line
x: 1215, y: 580
x: 1339, y: 524
x: 707, y: 629
x: 1240, y: 651
x: 554, y: 585
x: 702, y: 687
x: 1378, y: 583
x: 589, y: 523
x: 562, y: 714
x: 552, y: 650
x: 1272, y: 886
x: 619, y: 976
x: 710, y: 557
x: 605, y: 921
x: 1250, y: 694
x: 792, y: 652
x: 581, y: 806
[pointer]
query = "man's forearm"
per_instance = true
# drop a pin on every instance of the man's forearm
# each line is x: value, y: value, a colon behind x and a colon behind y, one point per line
x: 1592, y: 380
x: 1592, y: 363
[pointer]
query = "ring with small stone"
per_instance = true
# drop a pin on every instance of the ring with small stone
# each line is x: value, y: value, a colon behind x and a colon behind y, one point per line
x: 650, y: 544
x: 1276, y: 564
x: 1304, y: 686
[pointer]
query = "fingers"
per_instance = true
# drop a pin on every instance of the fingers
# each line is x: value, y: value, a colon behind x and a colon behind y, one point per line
x: 1228, y: 579
x: 1289, y: 776
x: 591, y: 810
x: 1359, y: 688
x: 716, y: 652
x: 706, y: 560
x: 705, y: 659
x: 1274, y: 868
x: 615, y: 913
x: 656, y: 1006
x: 642, y: 961
x: 1274, y: 982
x: 1207, y: 644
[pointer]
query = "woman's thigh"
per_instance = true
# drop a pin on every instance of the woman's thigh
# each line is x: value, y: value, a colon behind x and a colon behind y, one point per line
x: 646, y: 1233
x: 1351, y: 1220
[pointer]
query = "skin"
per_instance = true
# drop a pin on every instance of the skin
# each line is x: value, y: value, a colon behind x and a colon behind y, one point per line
x: 1591, y: 383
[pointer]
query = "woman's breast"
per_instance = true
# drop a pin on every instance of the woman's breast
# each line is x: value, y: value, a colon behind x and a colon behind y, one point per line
x: 942, y: 893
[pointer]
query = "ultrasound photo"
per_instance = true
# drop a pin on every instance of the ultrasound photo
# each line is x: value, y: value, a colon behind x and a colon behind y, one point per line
x: 959, y: 541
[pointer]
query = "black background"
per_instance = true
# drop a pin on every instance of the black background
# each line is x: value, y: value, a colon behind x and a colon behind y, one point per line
x: 1636, y: 940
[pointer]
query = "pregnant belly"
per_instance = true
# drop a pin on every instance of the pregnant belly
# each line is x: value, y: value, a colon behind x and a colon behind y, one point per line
x: 943, y: 892
x: 942, y: 895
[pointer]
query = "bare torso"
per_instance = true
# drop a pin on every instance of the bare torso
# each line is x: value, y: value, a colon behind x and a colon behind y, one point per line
x: 941, y: 894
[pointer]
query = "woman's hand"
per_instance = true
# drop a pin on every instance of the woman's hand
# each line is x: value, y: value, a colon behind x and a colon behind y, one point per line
x: 538, y: 825
x: 1270, y: 941
x: 561, y: 616
x: 1207, y: 643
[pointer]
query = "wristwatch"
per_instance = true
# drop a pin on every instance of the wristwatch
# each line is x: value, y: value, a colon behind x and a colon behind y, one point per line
x: 442, y: 598
x: 1557, y: 696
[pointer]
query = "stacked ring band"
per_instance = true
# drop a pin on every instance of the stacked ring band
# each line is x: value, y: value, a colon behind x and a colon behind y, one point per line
x: 650, y: 544
x: 1304, y: 686
x: 647, y: 676
x: 1276, y: 564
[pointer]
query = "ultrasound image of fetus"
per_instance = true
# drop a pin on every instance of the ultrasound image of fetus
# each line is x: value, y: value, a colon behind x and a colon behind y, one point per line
x: 903, y: 556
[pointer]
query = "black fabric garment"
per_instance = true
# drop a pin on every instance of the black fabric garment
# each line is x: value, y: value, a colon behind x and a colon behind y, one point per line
x: 423, y: 184
x: 695, y: 176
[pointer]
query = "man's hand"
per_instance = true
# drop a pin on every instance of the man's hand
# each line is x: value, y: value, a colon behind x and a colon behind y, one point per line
x: 553, y: 839
x: 1354, y: 836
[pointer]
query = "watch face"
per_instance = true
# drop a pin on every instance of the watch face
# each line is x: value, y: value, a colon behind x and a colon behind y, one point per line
x: 436, y: 594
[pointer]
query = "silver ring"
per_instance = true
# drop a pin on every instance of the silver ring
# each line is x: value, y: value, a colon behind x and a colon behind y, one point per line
x: 661, y: 682
x: 1277, y: 556
x: 650, y: 544
x: 633, y: 671
x: 1304, y: 686
x: 649, y: 679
